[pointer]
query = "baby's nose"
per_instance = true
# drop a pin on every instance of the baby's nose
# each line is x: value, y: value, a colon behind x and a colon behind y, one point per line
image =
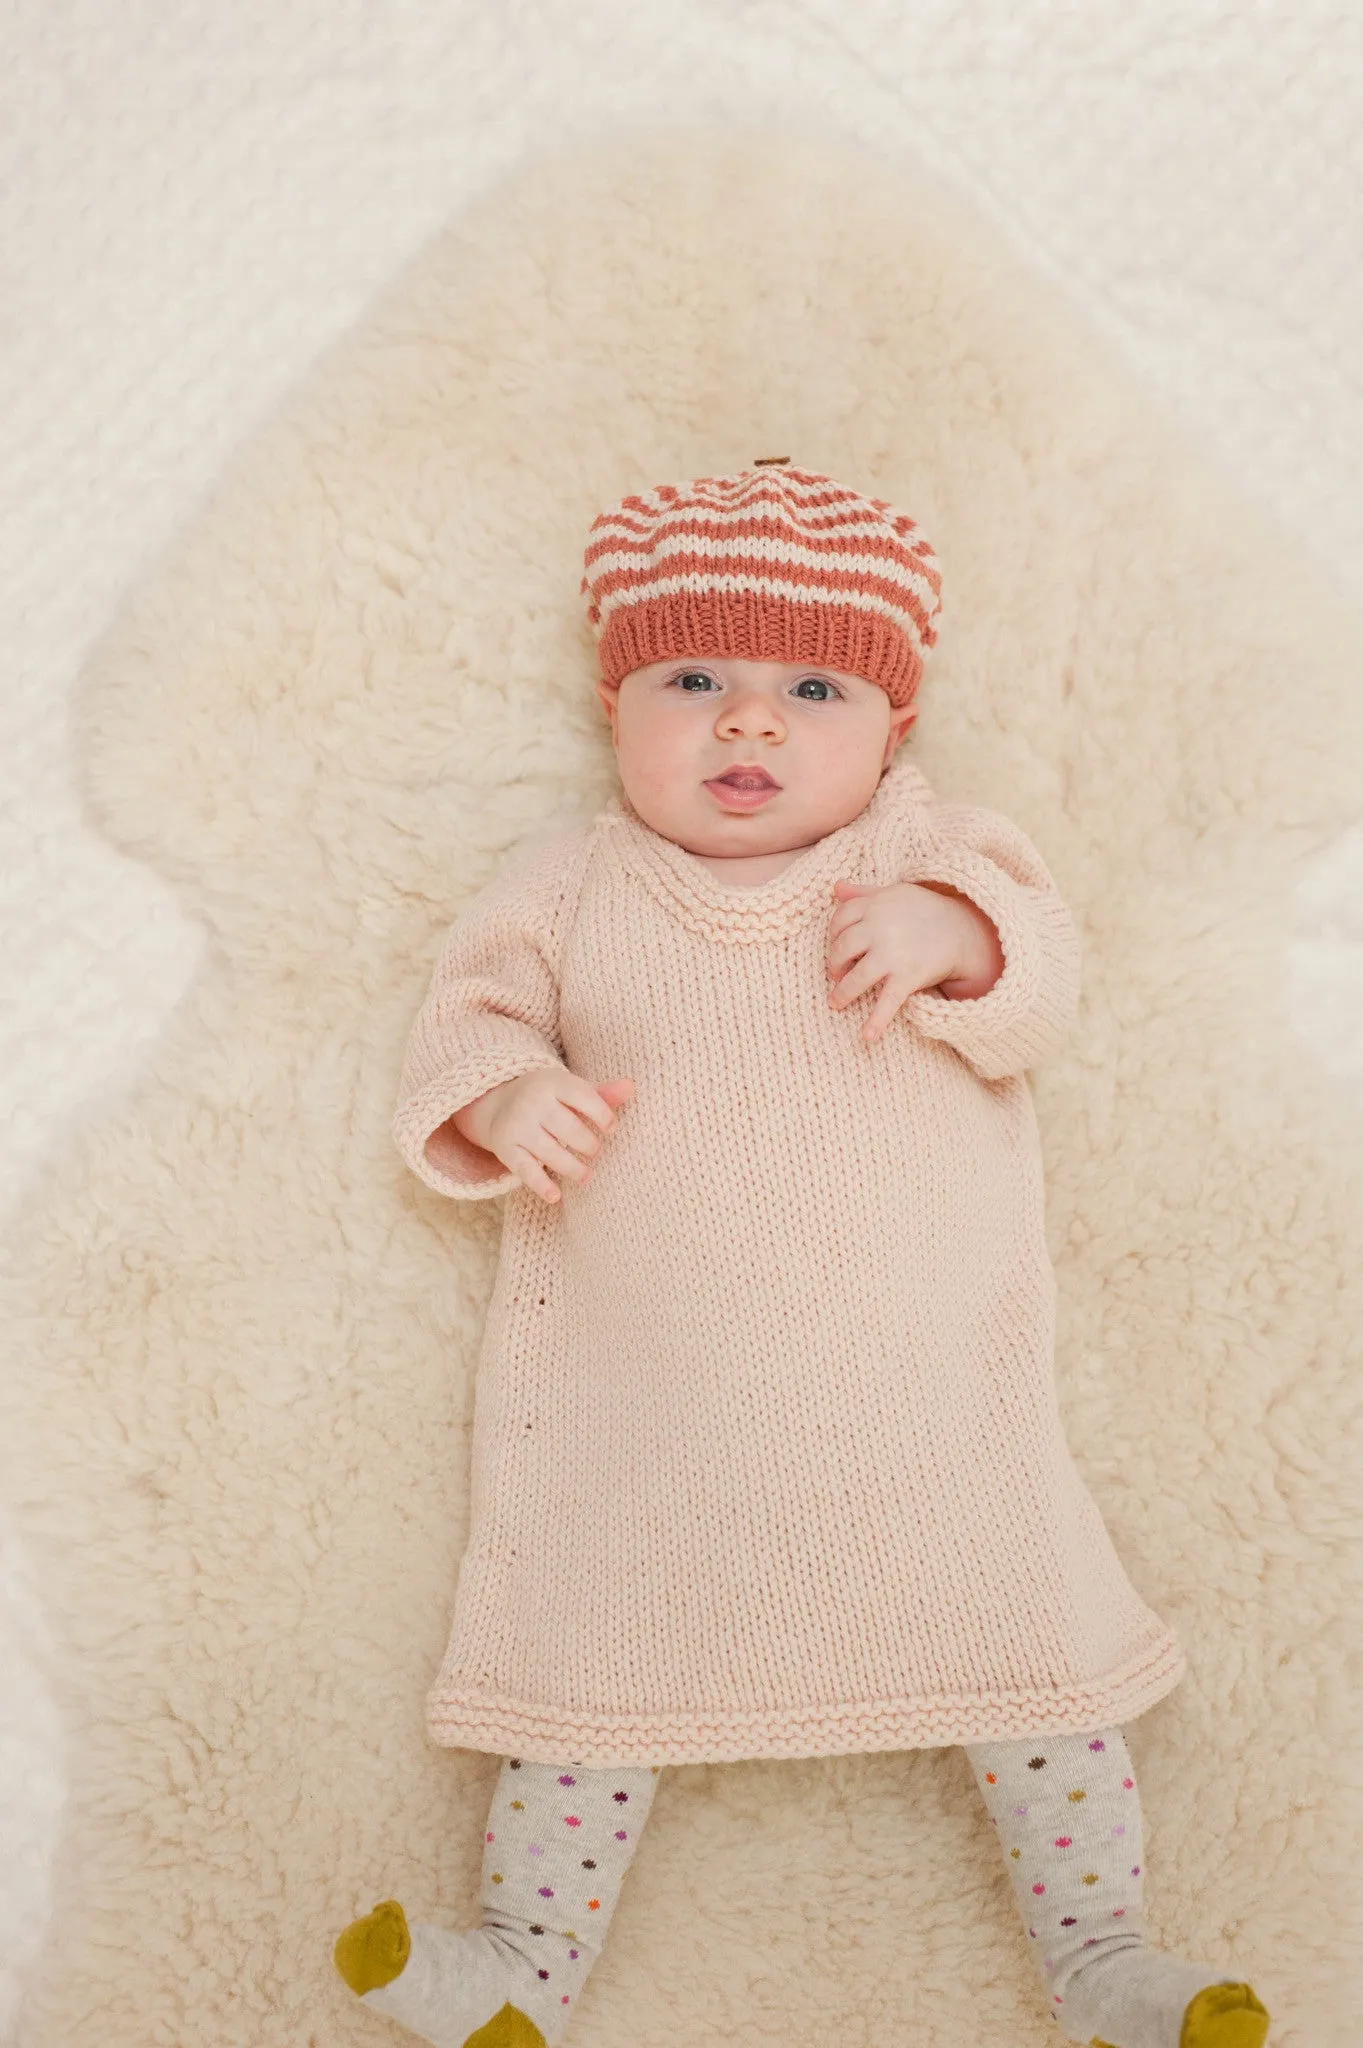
x: 753, y: 713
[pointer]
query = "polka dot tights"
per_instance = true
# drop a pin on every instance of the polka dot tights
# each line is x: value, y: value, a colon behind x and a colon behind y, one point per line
x: 1068, y: 1817
x: 560, y: 1837
x: 558, y: 1841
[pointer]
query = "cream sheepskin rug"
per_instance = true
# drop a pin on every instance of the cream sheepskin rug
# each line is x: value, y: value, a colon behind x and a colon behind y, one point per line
x: 239, y: 1400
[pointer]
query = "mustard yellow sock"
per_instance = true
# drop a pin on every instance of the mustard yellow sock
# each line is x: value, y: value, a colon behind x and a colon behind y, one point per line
x: 1221, y: 2016
x: 1225, y: 2016
x: 372, y: 1951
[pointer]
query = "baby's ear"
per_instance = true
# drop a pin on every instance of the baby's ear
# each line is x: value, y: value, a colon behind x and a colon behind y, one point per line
x: 609, y: 693
x: 901, y: 723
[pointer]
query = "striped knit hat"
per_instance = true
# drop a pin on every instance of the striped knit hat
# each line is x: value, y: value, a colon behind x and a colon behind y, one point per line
x: 772, y: 564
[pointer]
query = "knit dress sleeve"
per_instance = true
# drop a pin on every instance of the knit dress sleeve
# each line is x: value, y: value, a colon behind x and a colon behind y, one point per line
x: 1028, y: 1011
x: 491, y: 1013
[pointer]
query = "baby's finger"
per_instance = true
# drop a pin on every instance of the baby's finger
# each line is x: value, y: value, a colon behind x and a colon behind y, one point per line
x: 570, y: 1127
x: 585, y: 1101
x: 551, y: 1153
x: 889, y: 1001
x: 846, y: 915
x: 855, y: 983
x: 532, y: 1175
x: 846, y: 951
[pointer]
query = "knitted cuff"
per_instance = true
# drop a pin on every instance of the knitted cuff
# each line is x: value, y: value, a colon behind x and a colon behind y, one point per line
x: 1004, y: 1030
x: 448, y: 1162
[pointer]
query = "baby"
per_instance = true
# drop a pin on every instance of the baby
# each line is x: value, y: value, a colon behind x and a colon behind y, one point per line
x: 767, y: 1456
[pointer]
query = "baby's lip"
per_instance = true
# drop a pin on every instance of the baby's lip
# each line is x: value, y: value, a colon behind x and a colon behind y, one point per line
x: 748, y: 774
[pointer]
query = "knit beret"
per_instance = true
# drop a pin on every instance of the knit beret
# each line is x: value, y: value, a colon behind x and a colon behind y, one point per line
x: 774, y: 563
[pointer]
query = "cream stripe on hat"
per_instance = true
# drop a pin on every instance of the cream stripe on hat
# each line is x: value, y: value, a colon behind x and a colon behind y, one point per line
x: 775, y: 564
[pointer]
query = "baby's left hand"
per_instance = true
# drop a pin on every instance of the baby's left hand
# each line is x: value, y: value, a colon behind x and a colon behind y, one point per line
x: 911, y: 936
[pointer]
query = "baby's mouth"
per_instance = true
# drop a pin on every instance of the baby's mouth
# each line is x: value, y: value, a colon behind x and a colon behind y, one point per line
x: 747, y: 778
x: 743, y: 789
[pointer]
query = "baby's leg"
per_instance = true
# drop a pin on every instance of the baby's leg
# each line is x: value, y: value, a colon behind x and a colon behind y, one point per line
x: 558, y: 1842
x: 1069, y: 1819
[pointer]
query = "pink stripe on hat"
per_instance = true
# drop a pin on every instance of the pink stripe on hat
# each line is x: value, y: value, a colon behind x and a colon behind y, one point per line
x: 773, y: 564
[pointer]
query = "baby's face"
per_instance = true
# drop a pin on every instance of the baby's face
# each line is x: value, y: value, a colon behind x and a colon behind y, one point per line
x: 824, y: 738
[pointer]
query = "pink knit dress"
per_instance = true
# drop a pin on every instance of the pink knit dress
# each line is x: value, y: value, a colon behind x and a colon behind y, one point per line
x: 767, y: 1457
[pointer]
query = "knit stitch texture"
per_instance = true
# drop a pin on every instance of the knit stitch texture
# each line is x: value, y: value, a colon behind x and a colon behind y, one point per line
x: 767, y: 1455
x: 768, y: 564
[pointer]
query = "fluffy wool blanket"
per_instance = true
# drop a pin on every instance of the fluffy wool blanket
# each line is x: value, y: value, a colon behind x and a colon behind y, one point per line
x: 239, y: 1392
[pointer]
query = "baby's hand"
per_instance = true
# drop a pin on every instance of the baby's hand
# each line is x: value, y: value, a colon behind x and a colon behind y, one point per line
x: 911, y: 936
x: 536, y: 1121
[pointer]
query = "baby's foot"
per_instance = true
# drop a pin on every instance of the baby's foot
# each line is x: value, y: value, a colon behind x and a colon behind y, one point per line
x: 371, y: 1952
x: 1225, y: 2016
x: 1143, y: 1998
x: 454, y: 1990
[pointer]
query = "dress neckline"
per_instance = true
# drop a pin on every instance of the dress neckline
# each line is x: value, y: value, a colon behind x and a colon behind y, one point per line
x: 682, y: 884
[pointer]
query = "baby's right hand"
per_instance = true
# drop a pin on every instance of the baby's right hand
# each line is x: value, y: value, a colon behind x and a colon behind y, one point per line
x: 535, y: 1121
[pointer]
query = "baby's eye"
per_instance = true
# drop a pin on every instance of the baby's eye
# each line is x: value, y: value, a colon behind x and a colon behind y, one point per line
x: 698, y: 676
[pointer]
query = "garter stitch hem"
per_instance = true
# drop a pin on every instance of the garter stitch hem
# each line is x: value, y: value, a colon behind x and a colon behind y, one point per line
x: 510, y: 1727
x: 767, y: 1456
